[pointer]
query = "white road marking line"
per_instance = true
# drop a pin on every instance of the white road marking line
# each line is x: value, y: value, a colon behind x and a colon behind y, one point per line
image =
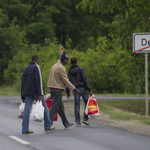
x: 19, y: 140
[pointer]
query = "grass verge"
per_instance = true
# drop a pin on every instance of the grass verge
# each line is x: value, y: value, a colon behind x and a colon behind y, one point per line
x: 120, y: 110
x: 121, y: 95
x: 125, y: 110
x: 10, y: 90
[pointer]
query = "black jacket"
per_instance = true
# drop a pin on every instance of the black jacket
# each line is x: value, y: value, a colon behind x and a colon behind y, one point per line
x: 32, y: 81
x: 78, y: 78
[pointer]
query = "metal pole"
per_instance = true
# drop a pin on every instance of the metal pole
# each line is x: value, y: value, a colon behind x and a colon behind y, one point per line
x: 146, y: 84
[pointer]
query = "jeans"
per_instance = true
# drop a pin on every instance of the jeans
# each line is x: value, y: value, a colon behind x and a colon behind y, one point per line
x: 28, y: 104
x: 85, y: 96
x: 57, y: 105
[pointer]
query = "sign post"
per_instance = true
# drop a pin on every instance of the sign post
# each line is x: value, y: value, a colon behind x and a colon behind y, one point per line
x: 146, y: 84
x: 141, y: 44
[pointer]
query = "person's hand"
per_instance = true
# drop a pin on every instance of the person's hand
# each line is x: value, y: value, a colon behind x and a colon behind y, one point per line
x: 68, y: 96
x: 23, y: 100
x: 48, y: 95
x: 40, y: 97
x: 78, y: 91
x: 90, y: 93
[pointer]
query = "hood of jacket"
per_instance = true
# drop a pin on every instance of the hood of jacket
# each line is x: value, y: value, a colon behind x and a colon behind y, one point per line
x: 73, y: 70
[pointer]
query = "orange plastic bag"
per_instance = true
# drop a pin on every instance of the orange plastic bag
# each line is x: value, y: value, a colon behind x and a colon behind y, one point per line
x: 49, y: 103
x: 92, y: 108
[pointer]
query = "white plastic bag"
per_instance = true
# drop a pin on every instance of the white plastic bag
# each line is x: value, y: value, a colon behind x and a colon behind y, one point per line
x: 37, y: 113
x: 21, y: 110
x: 48, y: 95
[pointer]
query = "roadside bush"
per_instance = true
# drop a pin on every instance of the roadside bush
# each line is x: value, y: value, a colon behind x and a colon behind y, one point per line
x: 109, y: 70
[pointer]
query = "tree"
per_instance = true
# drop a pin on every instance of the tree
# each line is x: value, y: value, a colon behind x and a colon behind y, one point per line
x: 76, y: 28
x: 128, y: 17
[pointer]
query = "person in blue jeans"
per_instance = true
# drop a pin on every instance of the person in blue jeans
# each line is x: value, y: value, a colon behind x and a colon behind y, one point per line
x: 32, y: 89
x: 78, y: 78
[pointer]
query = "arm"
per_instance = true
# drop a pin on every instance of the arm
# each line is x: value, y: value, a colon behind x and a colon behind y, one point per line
x: 68, y: 92
x: 38, y: 81
x: 22, y: 86
x: 85, y: 81
x: 66, y: 81
x: 67, y: 89
x: 22, y: 97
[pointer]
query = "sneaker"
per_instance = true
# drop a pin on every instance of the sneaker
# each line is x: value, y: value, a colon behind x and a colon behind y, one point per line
x: 70, y: 124
x: 52, y: 128
x: 28, y: 132
x: 78, y: 124
x: 85, y: 122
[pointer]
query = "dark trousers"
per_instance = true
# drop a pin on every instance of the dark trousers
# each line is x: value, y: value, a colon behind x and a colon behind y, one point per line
x: 85, y: 97
x: 57, y: 105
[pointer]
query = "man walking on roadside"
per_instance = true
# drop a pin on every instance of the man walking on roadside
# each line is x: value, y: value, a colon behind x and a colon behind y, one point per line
x: 32, y: 89
x: 78, y: 78
x: 58, y: 81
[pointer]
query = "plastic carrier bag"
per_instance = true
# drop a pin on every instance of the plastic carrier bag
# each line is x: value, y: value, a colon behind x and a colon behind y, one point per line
x: 21, y: 110
x: 49, y: 103
x: 37, y: 113
x: 92, y: 109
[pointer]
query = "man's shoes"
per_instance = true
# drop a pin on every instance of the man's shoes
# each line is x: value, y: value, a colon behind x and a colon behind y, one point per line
x: 70, y: 124
x: 52, y: 128
x: 28, y: 132
x: 85, y: 122
x: 78, y: 124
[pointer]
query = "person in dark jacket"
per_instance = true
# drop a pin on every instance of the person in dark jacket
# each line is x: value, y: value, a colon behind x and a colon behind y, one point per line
x: 78, y: 78
x: 32, y: 89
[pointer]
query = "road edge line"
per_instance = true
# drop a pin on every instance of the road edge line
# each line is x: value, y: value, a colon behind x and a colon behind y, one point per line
x: 19, y: 140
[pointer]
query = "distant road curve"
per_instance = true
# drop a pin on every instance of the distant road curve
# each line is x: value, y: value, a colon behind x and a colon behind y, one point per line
x: 18, y: 98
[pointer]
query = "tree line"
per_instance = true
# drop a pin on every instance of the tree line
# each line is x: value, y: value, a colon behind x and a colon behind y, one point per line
x: 97, y: 32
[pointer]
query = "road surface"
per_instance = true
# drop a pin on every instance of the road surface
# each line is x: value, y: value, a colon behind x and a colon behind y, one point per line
x: 93, y: 137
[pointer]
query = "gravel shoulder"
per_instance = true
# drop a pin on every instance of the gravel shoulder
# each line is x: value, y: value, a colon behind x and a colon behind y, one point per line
x: 131, y: 126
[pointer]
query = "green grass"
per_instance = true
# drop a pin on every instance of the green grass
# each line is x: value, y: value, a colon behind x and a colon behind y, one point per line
x: 121, y: 95
x: 10, y: 90
x: 125, y: 110
x: 136, y: 106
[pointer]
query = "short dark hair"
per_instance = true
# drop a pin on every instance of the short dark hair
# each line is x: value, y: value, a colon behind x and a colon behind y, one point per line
x: 73, y: 60
x: 34, y: 57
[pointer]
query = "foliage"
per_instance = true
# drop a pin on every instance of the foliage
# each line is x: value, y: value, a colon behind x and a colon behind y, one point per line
x: 97, y: 32
x: 48, y: 56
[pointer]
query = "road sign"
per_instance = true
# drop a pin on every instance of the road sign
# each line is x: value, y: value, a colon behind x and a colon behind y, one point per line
x: 141, y: 42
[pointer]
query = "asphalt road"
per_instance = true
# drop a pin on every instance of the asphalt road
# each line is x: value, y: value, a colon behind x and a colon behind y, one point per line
x: 93, y: 137
x: 112, y: 98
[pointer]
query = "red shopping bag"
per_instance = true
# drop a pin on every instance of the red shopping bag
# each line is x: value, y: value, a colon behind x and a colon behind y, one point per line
x: 49, y: 103
x: 92, y: 108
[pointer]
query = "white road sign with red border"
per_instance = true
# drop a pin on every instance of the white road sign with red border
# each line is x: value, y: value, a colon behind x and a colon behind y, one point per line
x: 141, y: 42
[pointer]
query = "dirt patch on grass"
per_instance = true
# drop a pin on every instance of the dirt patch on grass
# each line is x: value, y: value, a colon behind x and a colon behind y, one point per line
x: 132, y: 126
